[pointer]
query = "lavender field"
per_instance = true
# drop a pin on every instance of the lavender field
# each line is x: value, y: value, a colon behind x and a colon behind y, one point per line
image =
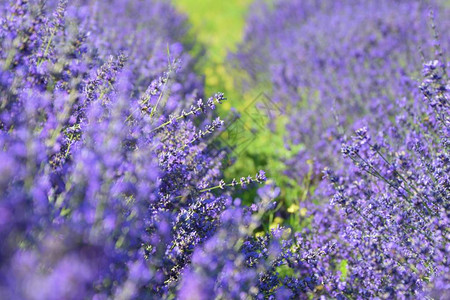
x: 198, y: 149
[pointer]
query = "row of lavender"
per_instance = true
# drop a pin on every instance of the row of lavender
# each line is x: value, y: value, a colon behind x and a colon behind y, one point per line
x: 349, y: 74
x: 107, y: 179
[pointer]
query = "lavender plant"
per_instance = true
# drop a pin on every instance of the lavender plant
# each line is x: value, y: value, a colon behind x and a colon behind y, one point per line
x: 392, y: 229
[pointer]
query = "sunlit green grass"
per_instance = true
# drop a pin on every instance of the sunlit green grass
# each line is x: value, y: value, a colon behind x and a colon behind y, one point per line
x: 218, y: 26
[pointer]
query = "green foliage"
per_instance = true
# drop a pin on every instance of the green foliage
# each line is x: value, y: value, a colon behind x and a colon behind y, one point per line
x: 343, y: 267
x: 284, y: 270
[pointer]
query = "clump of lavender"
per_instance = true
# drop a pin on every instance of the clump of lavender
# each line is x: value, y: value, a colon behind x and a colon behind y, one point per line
x: 394, y: 200
x: 105, y: 190
x: 273, y: 265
